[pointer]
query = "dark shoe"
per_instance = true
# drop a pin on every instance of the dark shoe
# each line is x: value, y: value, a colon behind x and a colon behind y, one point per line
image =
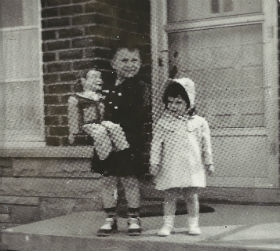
x: 134, y: 226
x: 110, y: 226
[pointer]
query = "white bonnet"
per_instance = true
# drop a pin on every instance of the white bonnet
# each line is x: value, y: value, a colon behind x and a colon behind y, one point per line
x: 189, y: 87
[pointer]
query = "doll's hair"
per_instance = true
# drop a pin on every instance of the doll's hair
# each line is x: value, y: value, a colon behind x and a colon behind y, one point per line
x: 174, y: 90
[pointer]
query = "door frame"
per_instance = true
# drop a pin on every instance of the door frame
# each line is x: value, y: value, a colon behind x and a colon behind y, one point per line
x: 269, y: 20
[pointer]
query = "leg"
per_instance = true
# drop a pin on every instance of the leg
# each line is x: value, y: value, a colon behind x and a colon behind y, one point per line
x: 191, y: 197
x: 169, y: 209
x: 132, y: 194
x: 109, y: 188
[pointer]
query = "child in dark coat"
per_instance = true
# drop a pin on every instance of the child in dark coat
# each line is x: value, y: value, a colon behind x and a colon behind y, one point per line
x: 126, y: 105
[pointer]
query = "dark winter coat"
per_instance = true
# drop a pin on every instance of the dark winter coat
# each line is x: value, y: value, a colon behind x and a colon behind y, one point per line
x: 128, y: 105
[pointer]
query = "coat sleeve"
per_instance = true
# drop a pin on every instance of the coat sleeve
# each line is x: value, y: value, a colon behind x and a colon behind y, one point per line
x: 156, y: 147
x: 141, y: 107
x: 206, y: 144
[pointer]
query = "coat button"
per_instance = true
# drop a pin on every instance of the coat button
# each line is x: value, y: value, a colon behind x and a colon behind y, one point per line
x: 116, y: 107
x: 110, y: 102
x: 119, y: 94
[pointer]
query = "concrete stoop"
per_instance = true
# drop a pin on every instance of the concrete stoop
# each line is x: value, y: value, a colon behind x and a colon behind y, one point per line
x: 230, y: 228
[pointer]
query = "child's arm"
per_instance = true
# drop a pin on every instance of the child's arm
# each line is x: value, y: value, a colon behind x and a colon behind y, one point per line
x: 207, y: 148
x: 156, y: 150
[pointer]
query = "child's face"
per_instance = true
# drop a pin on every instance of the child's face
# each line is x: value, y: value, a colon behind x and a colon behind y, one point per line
x: 177, y: 106
x: 126, y: 63
x: 93, y: 81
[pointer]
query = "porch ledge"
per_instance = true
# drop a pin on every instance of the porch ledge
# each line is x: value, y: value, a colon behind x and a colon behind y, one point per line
x: 48, y: 152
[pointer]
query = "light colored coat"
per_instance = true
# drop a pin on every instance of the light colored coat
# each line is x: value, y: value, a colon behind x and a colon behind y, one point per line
x: 181, y: 147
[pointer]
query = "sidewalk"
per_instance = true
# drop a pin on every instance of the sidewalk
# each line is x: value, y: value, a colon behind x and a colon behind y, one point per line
x: 230, y: 227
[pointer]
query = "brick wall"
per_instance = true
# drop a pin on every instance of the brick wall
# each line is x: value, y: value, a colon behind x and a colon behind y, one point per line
x: 77, y: 35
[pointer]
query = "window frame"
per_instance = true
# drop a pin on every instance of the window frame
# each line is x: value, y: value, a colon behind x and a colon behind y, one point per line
x: 27, y: 139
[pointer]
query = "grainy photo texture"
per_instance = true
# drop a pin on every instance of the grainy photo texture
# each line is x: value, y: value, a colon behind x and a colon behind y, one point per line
x: 130, y: 125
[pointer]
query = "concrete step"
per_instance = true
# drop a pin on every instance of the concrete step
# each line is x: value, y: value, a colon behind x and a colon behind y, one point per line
x: 5, y: 218
x: 229, y: 227
x: 151, y: 208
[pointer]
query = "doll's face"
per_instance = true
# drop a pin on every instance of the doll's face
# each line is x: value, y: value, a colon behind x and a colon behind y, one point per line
x: 126, y: 63
x: 177, y: 105
x: 93, y: 81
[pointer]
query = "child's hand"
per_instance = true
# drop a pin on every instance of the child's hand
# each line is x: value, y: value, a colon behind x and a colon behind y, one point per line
x: 71, y: 138
x: 210, y: 169
x: 154, y: 169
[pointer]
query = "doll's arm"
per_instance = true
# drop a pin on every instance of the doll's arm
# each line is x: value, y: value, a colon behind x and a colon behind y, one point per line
x: 73, y: 118
x: 156, y: 149
x: 206, y: 144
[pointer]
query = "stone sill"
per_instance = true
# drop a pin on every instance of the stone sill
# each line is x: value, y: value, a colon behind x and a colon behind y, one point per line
x: 48, y: 152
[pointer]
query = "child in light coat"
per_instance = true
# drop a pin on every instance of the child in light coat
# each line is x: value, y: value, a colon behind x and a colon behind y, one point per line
x: 180, y: 154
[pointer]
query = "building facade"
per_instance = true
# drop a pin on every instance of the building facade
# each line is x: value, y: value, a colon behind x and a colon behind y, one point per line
x: 228, y: 47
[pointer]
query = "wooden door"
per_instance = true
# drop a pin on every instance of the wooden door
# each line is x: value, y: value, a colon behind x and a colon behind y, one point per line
x: 229, y: 49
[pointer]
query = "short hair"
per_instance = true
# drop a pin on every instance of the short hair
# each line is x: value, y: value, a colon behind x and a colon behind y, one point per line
x: 125, y: 42
x: 174, y: 90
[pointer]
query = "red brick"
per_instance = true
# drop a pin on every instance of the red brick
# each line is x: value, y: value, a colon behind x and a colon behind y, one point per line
x: 126, y: 14
x: 56, y: 110
x: 104, y: 42
x: 52, y: 12
x: 71, y: 54
x: 80, y: 1
x: 97, y: 52
x: 59, y: 88
x: 64, y: 120
x: 53, y: 141
x: 105, y: 31
x: 58, y: 131
x: 73, y: 32
x: 47, y: 57
x: 90, y: 42
x: 45, y: 69
x: 56, y: 22
x: 64, y: 141
x: 83, y: 140
x: 91, y: 19
x: 126, y: 25
x: 52, y: 120
x: 57, y: 67
x: 48, y: 35
x: 82, y: 42
x: 74, y: 9
x: 84, y: 19
x: 50, y: 78
x: 86, y: 64
x: 51, y: 100
x: 100, y: 8
x: 58, y: 45
x: 64, y: 98
x: 49, y: 3
x: 68, y: 76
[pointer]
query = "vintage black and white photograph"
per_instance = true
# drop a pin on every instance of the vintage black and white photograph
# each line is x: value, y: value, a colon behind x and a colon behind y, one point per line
x: 139, y: 125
